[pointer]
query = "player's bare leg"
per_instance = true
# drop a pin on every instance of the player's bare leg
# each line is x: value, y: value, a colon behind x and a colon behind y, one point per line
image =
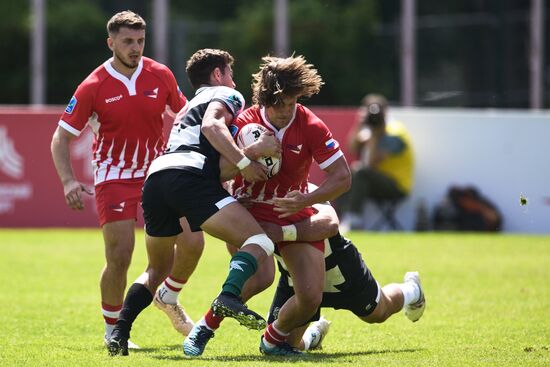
x: 260, y: 281
x: 188, y: 251
x: 391, y: 302
x: 306, y: 266
x: 255, y: 247
x: 189, y: 248
x: 295, y: 337
x: 119, y: 241
x: 307, y: 270
x: 397, y: 296
x: 160, y: 251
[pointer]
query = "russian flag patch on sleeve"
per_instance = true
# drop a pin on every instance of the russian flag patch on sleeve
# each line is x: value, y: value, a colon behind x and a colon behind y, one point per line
x: 331, y: 144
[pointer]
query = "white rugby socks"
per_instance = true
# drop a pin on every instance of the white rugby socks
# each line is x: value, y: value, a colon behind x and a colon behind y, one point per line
x: 170, y: 289
x: 411, y: 292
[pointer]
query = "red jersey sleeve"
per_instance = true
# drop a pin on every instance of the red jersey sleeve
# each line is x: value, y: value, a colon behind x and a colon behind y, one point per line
x: 176, y: 99
x: 325, y: 149
x: 79, y: 110
x: 246, y: 117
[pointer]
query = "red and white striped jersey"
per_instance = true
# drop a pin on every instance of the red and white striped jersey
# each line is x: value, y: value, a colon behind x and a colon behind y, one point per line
x: 304, y: 139
x: 125, y: 116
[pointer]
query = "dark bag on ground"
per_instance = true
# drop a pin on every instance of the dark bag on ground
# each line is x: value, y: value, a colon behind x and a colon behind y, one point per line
x: 466, y: 209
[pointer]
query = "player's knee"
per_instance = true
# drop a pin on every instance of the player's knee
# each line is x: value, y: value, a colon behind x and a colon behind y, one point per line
x: 193, y: 247
x: 265, y: 278
x: 310, y: 300
x: 261, y: 240
x: 190, y: 239
x: 119, y: 264
x: 119, y: 255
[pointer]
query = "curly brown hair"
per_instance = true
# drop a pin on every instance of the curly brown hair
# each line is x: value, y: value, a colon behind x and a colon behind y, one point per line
x: 127, y: 19
x: 279, y: 77
x: 201, y: 64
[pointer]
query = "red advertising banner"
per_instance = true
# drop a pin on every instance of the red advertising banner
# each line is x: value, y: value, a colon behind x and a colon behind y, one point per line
x: 31, y: 194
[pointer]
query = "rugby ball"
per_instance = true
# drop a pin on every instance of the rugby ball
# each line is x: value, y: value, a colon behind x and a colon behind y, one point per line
x: 249, y: 134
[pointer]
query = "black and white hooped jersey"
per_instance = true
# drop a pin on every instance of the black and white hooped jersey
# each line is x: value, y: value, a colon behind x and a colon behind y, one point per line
x: 345, y: 269
x: 187, y: 148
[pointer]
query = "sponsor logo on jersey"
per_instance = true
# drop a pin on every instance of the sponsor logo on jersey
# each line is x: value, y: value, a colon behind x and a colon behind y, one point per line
x: 114, y: 99
x: 294, y: 148
x: 331, y: 143
x: 233, y: 130
x: 118, y: 208
x: 71, y: 105
x: 152, y: 93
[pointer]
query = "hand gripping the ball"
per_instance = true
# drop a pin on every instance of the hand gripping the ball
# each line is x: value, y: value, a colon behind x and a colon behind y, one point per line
x: 255, y: 171
x: 265, y: 146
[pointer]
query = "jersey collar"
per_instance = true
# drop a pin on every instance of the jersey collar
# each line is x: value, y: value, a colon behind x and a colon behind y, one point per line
x: 202, y: 89
x: 278, y: 133
x: 129, y: 83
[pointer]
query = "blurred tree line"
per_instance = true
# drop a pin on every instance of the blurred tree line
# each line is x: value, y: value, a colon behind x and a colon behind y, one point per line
x: 471, y: 53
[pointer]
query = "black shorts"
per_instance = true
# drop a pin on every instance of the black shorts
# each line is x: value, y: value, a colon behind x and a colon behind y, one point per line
x: 171, y: 194
x: 360, y: 291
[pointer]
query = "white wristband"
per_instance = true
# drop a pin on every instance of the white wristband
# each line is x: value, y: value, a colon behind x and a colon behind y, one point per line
x: 243, y: 163
x: 289, y: 232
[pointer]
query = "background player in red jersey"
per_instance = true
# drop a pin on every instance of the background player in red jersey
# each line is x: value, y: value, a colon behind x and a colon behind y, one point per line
x: 123, y: 101
x: 284, y: 199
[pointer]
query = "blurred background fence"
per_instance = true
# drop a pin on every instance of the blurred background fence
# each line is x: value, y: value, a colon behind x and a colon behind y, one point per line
x: 482, y: 63
x: 467, y: 53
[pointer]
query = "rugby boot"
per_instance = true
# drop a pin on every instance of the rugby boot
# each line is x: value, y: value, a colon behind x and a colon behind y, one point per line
x: 130, y: 344
x: 177, y: 315
x: 227, y: 305
x: 415, y: 310
x: 318, y: 330
x: 283, y: 349
x: 118, y: 344
x: 196, y: 341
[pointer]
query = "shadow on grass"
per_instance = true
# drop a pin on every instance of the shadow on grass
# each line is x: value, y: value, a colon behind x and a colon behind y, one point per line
x: 315, y: 357
x: 167, y: 348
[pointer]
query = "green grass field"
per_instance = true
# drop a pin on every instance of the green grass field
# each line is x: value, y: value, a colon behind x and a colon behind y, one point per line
x: 488, y: 305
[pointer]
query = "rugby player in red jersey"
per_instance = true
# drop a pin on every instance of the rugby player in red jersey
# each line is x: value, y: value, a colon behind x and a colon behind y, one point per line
x: 349, y: 283
x: 123, y: 102
x: 284, y: 199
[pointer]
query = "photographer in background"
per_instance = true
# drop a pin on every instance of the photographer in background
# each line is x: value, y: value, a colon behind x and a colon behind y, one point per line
x: 385, y: 167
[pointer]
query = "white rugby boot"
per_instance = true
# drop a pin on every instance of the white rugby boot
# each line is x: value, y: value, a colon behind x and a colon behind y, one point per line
x: 415, y: 310
x: 316, y: 332
x: 177, y: 315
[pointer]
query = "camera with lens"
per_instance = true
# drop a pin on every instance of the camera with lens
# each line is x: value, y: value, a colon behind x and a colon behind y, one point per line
x: 375, y: 116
